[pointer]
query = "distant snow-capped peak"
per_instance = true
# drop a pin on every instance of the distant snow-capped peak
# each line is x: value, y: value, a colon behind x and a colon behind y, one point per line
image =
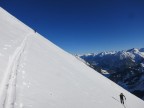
x: 133, y: 53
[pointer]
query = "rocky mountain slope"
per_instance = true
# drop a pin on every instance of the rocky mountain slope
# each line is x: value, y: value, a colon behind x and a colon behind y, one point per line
x: 125, y: 68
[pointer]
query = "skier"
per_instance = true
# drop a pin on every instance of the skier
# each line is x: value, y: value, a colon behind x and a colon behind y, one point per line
x: 122, y: 98
x: 35, y: 31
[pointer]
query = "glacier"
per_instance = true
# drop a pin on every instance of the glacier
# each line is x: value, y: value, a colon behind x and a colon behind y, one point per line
x: 35, y: 73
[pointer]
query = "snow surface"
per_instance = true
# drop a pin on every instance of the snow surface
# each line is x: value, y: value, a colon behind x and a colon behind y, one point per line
x: 35, y: 73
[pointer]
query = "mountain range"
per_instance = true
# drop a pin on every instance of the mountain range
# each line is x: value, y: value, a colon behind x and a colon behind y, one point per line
x: 126, y: 68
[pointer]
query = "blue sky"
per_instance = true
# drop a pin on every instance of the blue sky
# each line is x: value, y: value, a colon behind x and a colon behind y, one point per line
x: 84, y: 26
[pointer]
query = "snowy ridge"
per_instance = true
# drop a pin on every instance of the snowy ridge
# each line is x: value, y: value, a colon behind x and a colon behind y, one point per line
x: 13, y: 20
x: 134, y: 54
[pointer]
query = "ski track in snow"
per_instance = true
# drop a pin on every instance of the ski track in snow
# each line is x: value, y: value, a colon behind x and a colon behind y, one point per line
x: 8, y: 89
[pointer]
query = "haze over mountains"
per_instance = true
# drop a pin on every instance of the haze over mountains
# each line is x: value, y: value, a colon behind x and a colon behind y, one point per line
x: 125, y: 68
x: 35, y: 73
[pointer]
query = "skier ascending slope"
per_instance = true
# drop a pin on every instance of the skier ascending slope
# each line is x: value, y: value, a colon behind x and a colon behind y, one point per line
x: 122, y: 98
x: 35, y: 30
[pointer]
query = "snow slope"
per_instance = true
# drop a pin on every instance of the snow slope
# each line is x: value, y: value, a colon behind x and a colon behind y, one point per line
x: 35, y: 73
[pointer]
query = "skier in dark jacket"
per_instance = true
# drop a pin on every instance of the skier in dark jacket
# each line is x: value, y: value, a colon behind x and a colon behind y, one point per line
x: 122, y: 98
x: 35, y: 31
